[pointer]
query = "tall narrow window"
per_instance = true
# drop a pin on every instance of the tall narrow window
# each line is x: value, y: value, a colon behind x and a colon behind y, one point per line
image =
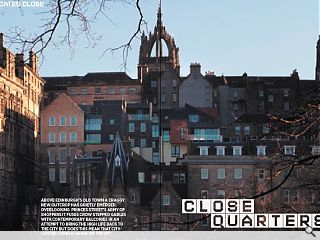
x: 73, y: 121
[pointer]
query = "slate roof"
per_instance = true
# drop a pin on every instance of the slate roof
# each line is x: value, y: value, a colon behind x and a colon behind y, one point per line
x: 59, y: 82
x: 107, y: 77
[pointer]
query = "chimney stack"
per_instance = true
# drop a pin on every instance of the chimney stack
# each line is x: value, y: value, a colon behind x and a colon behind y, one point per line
x: 195, y: 68
x: 33, y: 61
x: 1, y: 39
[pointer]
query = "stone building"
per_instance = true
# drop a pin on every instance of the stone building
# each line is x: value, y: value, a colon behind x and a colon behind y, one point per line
x: 62, y: 138
x: 21, y: 90
x: 195, y: 90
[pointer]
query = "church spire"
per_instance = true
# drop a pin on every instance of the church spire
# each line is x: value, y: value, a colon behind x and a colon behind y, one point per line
x: 159, y: 20
x: 159, y: 33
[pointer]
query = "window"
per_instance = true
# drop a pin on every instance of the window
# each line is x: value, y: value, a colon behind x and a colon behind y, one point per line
x: 261, y: 93
x: 237, y: 150
x: 237, y: 130
x: 220, y: 150
x: 143, y: 127
x: 111, y: 91
x: 289, y: 150
x: 93, y: 124
x: 204, y: 150
x: 247, y: 130
x: 63, y: 153
x: 204, y: 194
x: 236, y: 107
x: 131, y: 127
x: 179, y: 178
x: 155, y: 130
x: 141, y: 177
x: 174, y: 97
x: 51, y: 121
x: 166, y: 136
x: 73, y: 121
x: 62, y: 175
x: 73, y: 137
x: 261, y: 106
x: 261, y: 174
x: 166, y: 200
x: 207, y: 90
x: 270, y: 98
x: 111, y: 121
x: 221, y: 173
x: 155, y: 157
x: 175, y: 151
x: 153, y: 84
x: 238, y: 173
x: 144, y: 223
x: 309, y: 196
x: 122, y: 90
x: 78, y: 179
x: 52, y: 174
x: 132, y: 90
x: 315, y: 150
x: 93, y: 138
x: 174, y: 83
x: 221, y: 194
x: 117, y: 161
x: 52, y: 156
x: 62, y: 137
x: 163, y: 97
x: 143, y: 142
x: 83, y: 178
x: 163, y: 83
x: 84, y: 91
x: 132, y: 142
x: 290, y: 196
x: 132, y: 197
x: 286, y: 92
x: 52, y: 137
x: 261, y: 150
x: 204, y: 173
x: 97, y: 90
x: 235, y: 94
x: 193, y: 118
x: 111, y: 137
x: 265, y: 130
x: 182, y: 177
x: 286, y: 106
x: 182, y: 133
x: 62, y: 120
x: 73, y: 91
x: 89, y: 177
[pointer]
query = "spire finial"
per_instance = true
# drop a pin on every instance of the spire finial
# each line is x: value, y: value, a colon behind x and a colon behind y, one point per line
x: 159, y: 14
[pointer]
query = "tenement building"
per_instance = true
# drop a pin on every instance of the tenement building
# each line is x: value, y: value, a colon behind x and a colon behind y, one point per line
x: 20, y: 97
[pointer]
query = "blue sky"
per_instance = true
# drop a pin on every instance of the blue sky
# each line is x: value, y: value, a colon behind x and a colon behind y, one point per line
x: 260, y: 37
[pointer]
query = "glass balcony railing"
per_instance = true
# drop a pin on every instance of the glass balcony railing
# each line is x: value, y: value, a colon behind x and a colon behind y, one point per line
x: 207, y: 137
x: 138, y: 117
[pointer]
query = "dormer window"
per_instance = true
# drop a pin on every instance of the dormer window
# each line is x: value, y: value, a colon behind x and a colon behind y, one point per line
x: 117, y: 161
x: 289, y: 150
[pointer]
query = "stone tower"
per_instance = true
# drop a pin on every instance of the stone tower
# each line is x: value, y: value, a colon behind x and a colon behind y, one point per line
x: 158, y: 53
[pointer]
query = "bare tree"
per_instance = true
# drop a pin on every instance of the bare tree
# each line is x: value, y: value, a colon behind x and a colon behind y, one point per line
x: 66, y: 21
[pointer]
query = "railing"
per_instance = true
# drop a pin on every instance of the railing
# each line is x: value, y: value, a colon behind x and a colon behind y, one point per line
x: 138, y: 117
x: 206, y: 138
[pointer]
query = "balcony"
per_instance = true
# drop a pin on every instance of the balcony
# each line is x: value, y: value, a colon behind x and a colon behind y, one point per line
x: 205, y: 138
x: 139, y: 117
